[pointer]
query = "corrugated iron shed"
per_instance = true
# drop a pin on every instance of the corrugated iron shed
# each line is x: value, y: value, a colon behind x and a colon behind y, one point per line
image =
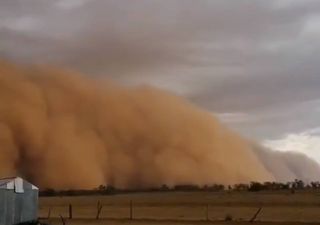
x: 19, y: 201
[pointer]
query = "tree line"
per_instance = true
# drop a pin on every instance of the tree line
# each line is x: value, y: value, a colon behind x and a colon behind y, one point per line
x: 293, y: 186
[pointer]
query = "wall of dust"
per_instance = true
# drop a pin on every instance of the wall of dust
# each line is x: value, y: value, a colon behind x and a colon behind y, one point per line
x: 63, y: 130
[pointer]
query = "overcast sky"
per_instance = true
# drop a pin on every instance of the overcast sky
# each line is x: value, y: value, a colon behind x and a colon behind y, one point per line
x: 254, y: 63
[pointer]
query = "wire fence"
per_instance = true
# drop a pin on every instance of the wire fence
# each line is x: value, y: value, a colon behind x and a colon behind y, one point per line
x: 131, y: 211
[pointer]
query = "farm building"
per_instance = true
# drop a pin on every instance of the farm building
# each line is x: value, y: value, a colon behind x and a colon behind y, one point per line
x: 19, y: 201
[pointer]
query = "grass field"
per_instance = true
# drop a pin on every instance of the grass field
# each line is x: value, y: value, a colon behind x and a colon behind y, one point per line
x: 173, y: 208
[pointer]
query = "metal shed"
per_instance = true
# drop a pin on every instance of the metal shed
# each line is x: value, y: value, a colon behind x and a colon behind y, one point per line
x: 18, y: 201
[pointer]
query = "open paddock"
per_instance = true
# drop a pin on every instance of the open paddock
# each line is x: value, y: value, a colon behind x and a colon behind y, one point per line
x: 185, y: 208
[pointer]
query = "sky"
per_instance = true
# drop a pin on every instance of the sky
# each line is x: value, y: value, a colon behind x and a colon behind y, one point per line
x: 253, y: 63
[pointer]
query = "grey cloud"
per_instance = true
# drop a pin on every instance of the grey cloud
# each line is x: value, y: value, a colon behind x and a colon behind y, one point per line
x: 157, y: 32
x: 276, y: 122
x: 251, y: 57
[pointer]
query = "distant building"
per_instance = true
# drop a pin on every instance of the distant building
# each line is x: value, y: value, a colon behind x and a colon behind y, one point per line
x: 18, y: 201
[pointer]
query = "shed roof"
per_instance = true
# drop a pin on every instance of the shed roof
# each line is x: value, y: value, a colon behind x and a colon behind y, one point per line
x: 15, y: 183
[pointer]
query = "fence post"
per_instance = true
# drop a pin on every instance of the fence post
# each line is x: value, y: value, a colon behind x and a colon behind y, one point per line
x: 131, y: 210
x: 70, y: 211
x: 49, y: 213
x: 62, y: 220
x: 207, y: 212
x: 99, y: 208
x: 255, y: 215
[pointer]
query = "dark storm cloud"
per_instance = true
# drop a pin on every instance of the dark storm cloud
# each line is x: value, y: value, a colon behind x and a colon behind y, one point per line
x: 254, y: 58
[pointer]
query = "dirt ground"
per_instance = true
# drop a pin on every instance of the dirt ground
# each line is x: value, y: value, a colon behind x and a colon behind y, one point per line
x: 174, y: 208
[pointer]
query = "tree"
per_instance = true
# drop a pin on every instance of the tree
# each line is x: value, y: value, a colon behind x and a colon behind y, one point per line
x: 255, y: 186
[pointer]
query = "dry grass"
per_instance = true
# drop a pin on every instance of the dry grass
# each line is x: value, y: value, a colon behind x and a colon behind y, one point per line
x: 187, y: 208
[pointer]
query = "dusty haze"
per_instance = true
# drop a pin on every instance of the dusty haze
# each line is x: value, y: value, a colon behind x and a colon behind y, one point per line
x: 63, y: 130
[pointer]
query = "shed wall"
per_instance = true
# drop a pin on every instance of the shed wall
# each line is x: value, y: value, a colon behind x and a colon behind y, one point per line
x: 18, y: 207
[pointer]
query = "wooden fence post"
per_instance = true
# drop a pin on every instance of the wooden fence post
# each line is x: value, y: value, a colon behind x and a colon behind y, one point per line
x: 131, y: 210
x: 62, y: 220
x: 207, y: 212
x: 70, y: 211
x: 49, y: 213
x: 255, y: 215
x: 99, y: 208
